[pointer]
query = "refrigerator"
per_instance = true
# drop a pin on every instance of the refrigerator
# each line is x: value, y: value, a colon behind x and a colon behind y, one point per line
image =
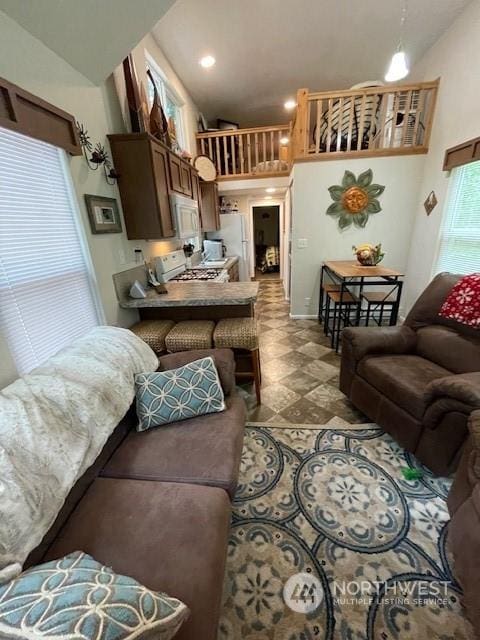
x: 234, y: 233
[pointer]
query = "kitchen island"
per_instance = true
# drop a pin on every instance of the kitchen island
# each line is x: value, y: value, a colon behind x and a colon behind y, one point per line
x: 188, y: 300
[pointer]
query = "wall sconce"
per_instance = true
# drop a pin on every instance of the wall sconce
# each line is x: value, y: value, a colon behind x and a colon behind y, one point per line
x: 96, y: 156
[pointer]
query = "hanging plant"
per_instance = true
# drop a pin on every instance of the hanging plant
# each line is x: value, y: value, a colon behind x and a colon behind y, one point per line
x: 355, y: 199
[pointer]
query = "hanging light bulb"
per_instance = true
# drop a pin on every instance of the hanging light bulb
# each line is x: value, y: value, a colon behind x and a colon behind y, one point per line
x: 398, y: 68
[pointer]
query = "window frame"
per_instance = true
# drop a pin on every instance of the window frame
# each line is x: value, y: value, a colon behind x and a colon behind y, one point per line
x: 167, y: 92
x: 456, y: 178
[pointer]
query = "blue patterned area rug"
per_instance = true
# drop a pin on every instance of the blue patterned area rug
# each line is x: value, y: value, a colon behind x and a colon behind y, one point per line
x: 369, y: 546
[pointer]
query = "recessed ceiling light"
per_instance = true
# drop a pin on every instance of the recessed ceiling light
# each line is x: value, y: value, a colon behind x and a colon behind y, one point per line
x: 290, y: 104
x: 207, y: 61
x: 284, y: 140
x: 270, y: 190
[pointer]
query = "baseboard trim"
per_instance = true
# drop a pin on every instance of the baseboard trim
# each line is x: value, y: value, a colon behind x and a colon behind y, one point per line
x: 295, y: 316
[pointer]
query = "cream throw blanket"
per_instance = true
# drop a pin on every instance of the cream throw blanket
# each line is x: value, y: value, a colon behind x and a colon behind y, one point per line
x: 53, y: 424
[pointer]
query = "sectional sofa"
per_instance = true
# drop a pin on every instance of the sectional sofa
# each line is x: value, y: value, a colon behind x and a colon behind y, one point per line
x: 156, y: 505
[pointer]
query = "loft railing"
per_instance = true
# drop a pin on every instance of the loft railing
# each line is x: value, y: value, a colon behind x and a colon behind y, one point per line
x: 248, y: 153
x: 374, y: 121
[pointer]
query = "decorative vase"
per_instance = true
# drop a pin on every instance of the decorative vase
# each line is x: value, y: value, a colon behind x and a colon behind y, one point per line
x: 368, y: 255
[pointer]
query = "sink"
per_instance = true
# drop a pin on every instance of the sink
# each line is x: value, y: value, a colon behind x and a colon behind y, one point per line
x: 212, y: 264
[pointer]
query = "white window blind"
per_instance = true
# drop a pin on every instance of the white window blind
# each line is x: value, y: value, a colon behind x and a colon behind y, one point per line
x: 459, y: 250
x: 46, y: 283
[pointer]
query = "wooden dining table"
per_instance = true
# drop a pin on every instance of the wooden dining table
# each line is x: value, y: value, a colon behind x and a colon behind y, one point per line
x: 351, y: 278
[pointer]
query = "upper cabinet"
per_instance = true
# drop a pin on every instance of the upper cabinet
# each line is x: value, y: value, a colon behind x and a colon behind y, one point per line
x: 148, y: 172
x: 210, y: 211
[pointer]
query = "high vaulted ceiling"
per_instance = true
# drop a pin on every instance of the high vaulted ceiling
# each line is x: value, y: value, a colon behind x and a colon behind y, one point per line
x: 93, y: 36
x: 267, y: 49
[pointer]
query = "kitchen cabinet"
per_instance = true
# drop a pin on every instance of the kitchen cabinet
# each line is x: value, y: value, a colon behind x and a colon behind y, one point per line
x: 234, y: 273
x: 142, y: 164
x: 180, y: 175
x: 210, y: 206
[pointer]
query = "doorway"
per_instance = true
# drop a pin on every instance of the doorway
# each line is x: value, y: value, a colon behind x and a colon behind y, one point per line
x: 266, y: 238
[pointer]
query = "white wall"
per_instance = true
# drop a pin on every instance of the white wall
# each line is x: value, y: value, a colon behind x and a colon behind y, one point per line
x: 455, y: 58
x: 34, y: 67
x: 392, y: 226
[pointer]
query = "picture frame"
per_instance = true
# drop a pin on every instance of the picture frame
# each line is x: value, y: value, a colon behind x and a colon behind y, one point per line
x: 103, y: 214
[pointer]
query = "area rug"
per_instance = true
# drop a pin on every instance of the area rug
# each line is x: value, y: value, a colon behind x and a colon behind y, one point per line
x: 333, y: 505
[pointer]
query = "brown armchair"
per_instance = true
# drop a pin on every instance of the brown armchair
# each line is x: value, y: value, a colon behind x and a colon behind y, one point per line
x: 464, y: 527
x: 419, y: 381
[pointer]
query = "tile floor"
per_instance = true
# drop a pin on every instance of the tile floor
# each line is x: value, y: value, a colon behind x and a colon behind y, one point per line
x: 299, y: 370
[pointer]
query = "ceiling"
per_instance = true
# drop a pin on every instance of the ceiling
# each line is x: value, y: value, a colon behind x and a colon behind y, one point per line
x: 267, y: 49
x: 93, y: 36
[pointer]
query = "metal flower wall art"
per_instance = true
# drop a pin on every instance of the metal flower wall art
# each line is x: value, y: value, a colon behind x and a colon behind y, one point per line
x: 355, y: 199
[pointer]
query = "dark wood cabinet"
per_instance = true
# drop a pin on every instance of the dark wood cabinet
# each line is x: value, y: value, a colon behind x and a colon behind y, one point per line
x: 142, y: 165
x: 210, y: 207
x: 148, y: 172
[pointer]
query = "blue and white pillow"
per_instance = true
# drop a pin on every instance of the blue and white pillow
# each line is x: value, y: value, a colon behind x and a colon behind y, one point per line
x: 77, y: 597
x: 178, y: 394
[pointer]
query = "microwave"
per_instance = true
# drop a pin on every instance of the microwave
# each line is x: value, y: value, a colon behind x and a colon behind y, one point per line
x: 186, y: 216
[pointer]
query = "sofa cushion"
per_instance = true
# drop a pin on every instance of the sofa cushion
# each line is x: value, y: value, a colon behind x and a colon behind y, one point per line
x: 204, y: 450
x: 76, y: 596
x: 402, y: 378
x: 169, y: 537
x: 463, y: 302
x: 448, y: 348
x: 163, y: 397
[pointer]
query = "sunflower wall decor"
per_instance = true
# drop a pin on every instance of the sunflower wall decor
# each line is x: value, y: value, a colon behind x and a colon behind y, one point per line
x: 355, y: 199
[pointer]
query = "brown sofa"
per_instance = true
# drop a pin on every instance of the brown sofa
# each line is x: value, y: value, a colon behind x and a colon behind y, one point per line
x: 464, y: 527
x: 156, y: 505
x: 419, y: 381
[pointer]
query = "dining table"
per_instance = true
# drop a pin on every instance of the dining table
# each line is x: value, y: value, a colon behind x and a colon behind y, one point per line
x: 351, y: 278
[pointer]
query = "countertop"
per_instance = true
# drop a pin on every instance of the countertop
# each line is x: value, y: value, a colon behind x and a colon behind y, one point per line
x: 228, y: 265
x: 193, y: 294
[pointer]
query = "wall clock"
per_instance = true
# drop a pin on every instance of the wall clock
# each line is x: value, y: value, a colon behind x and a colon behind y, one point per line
x: 206, y: 169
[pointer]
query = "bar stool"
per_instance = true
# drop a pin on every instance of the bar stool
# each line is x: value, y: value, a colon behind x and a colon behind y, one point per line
x: 190, y: 334
x: 241, y: 335
x: 153, y: 332
x: 324, y: 314
x: 341, y: 313
x: 378, y: 301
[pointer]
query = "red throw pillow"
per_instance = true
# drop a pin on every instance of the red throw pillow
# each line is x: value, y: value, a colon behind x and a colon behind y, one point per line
x: 463, y: 302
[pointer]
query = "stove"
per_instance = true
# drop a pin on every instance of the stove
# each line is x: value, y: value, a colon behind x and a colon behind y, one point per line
x: 172, y: 268
x: 199, y: 274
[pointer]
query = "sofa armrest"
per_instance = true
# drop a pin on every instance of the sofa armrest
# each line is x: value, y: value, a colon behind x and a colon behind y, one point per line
x: 223, y: 359
x: 375, y: 340
x: 464, y: 387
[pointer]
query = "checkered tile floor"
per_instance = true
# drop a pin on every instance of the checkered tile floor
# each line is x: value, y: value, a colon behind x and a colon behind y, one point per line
x: 299, y: 370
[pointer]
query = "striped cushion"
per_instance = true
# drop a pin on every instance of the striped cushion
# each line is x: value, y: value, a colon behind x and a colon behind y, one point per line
x: 190, y: 334
x: 236, y: 333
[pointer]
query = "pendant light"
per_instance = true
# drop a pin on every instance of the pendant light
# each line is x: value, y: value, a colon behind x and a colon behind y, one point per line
x: 398, y: 68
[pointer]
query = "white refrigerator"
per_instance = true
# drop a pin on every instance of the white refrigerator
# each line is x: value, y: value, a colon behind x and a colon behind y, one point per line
x: 234, y: 233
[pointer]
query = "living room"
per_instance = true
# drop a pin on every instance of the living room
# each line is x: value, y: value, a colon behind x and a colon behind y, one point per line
x: 203, y: 440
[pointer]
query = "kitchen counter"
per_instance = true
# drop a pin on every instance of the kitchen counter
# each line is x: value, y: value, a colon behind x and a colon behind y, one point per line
x: 197, y: 294
x: 228, y: 265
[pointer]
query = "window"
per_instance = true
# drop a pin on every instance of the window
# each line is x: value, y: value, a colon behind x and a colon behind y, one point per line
x: 47, y: 295
x: 459, y: 250
x: 171, y: 102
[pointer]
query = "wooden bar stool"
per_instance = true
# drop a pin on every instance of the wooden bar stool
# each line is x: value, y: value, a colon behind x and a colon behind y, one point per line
x: 324, y: 313
x: 241, y: 335
x: 377, y: 302
x: 190, y: 334
x: 153, y: 332
x: 341, y: 313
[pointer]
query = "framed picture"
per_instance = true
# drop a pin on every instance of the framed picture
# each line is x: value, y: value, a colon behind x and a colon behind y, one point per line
x: 103, y: 214
x: 226, y: 125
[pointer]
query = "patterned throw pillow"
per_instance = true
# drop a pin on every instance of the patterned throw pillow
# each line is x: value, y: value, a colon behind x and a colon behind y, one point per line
x: 463, y: 302
x: 178, y: 394
x: 77, y: 597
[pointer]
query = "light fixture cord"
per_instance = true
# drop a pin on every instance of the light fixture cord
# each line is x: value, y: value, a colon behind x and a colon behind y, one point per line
x: 402, y: 24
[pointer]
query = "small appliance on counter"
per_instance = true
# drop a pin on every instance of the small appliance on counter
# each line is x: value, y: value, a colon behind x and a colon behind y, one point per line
x: 213, y: 250
x: 172, y: 268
